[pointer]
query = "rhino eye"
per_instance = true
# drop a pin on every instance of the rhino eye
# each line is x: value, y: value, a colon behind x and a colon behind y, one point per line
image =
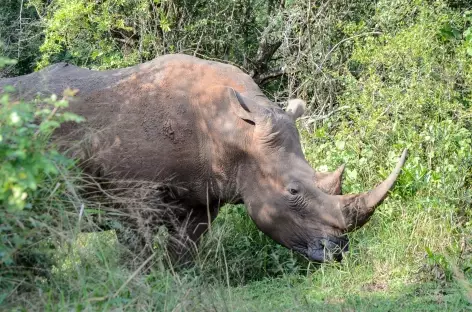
x: 293, y: 189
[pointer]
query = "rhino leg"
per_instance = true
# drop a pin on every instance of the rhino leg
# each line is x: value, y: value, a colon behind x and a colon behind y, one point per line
x: 201, y: 221
x: 184, y: 248
x: 137, y: 235
x: 139, y: 247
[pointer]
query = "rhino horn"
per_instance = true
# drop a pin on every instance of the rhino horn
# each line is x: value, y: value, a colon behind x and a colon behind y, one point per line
x: 330, y: 182
x: 357, y: 209
x: 296, y: 108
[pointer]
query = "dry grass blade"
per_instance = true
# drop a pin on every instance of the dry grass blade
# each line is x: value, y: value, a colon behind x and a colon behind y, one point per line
x: 135, y: 273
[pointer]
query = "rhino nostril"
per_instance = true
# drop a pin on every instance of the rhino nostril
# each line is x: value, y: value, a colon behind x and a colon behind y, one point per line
x: 328, y: 249
x: 338, y: 257
x: 336, y: 246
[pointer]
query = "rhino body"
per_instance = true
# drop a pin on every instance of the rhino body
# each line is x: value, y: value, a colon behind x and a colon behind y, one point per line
x: 207, y: 127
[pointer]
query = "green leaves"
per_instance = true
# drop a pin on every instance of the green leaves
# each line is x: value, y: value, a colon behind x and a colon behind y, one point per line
x: 104, y: 34
x: 468, y: 32
x: 5, y: 61
x: 449, y: 32
x: 411, y: 88
x: 340, y: 145
x: 460, y: 32
x: 28, y: 164
x: 25, y: 157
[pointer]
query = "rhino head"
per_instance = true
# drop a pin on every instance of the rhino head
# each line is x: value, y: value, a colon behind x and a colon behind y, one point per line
x: 297, y: 207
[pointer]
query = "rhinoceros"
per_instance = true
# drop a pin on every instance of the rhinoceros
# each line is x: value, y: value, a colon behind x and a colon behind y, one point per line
x: 209, y: 128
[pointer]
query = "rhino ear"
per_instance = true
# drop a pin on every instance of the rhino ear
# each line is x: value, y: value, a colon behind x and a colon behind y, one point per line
x: 241, y: 106
x: 295, y: 108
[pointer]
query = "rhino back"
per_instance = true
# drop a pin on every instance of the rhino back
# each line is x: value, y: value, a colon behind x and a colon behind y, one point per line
x: 151, y: 121
x: 57, y: 77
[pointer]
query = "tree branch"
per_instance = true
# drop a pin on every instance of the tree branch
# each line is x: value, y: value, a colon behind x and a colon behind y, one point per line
x: 264, y: 78
x: 260, y: 71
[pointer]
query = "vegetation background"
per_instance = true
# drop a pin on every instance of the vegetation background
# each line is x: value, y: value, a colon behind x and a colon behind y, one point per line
x: 379, y: 76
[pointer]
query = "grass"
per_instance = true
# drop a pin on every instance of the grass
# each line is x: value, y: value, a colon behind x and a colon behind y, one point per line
x: 388, y: 270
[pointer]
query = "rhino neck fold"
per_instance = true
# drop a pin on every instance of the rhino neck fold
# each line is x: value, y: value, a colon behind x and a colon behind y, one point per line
x: 227, y: 174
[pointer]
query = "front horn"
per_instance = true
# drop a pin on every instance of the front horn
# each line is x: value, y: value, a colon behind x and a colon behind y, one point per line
x: 357, y: 209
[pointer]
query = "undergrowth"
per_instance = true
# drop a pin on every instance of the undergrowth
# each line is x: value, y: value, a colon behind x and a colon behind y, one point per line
x: 407, y: 86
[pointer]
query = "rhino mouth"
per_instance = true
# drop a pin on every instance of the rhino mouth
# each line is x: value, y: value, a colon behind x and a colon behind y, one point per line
x: 325, y: 249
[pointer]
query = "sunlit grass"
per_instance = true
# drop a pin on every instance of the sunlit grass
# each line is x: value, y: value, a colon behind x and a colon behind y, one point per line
x: 388, y: 269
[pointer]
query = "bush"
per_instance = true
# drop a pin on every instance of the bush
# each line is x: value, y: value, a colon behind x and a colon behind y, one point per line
x: 20, y: 36
x: 111, y: 34
x: 33, y: 182
x: 407, y: 87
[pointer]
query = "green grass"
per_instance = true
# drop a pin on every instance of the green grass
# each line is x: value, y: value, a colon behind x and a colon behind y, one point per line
x: 240, y: 269
x: 388, y: 270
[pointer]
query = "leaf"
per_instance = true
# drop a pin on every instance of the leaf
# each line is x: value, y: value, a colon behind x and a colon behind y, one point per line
x: 352, y: 174
x: 469, y: 51
x: 89, y: 211
x: 446, y: 32
x: 5, y: 61
x: 9, y: 88
x: 456, y: 33
x: 468, y: 34
x: 340, y: 145
x: 67, y: 116
x: 15, y: 119
x: 48, y: 125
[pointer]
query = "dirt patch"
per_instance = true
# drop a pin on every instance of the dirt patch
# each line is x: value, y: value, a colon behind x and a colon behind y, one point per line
x: 375, y: 287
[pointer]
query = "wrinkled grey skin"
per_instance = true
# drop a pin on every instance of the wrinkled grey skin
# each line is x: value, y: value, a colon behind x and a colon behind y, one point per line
x: 209, y: 128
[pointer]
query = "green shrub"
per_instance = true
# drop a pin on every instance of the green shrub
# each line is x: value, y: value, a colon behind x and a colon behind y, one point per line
x: 111, y: 34
x: 32, y: 180
x: 20, y: 36
x: 406, y: 87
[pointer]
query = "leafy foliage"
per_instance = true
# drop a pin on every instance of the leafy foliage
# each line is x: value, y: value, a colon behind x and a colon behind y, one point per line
x: 407, y: 87
x: 30, y: 175
x: 26, y: 157
x: 109, y: 34
x: 20, y: 36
